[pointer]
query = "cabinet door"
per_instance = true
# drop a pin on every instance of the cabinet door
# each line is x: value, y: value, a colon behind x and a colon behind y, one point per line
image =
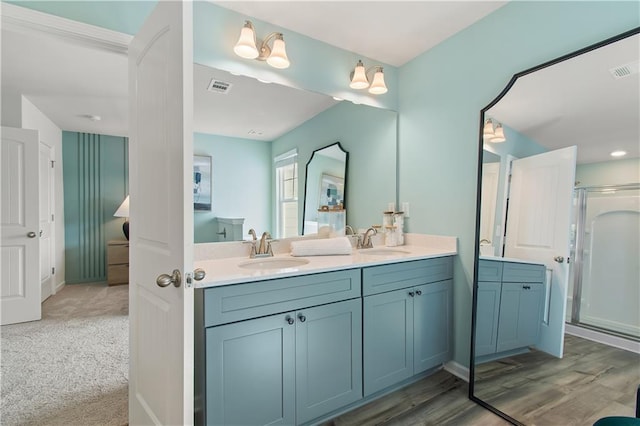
x: 250, y: 372
x: 487, y: 311
x: 530, y: 316
x: 433, y: 317
x: 388, y: 339
x: 328, y: 358
x: 520, y: 315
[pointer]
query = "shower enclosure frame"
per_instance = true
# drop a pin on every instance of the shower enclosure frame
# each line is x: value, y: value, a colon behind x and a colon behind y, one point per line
x: 578, y: 254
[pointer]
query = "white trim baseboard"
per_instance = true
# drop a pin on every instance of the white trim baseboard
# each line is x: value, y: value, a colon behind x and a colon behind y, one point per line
x: 59, y: 286
x: 458, y: 370
x: 606, y: 339
x: 28, y: 21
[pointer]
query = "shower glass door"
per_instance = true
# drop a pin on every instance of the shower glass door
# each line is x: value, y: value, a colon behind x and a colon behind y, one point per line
x: 606, y: 270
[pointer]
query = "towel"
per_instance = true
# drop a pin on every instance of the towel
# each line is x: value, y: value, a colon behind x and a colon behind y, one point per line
x: 321, y: 247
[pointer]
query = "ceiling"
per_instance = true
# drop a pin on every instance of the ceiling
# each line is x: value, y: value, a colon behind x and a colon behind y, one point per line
x: 579, y: 102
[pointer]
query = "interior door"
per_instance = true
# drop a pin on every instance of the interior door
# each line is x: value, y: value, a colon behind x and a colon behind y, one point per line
x: 538, y: 229
x: 20, y: 250
x: 47, y: 254
x: 161, y: 217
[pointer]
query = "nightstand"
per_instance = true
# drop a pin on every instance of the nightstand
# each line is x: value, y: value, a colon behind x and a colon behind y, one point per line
x: 118, y: 262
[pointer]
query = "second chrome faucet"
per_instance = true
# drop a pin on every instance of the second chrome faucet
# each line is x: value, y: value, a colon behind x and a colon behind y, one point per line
x: 264, y: 248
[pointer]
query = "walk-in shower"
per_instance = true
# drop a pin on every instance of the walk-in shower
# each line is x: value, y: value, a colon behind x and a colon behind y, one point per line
x: 604, y: 285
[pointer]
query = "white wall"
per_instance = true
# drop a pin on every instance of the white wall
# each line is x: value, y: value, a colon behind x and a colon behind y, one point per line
x: 51, y: 135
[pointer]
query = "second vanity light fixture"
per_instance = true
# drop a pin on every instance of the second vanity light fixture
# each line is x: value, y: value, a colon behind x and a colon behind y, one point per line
x: 359, y: 79
x: 249, y: 47
x: 493, y: 133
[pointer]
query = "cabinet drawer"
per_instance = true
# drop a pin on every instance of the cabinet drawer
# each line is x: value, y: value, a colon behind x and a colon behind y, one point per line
x: 489, y: 270
x: 251, y: 300
x: 118, y: 274
x: 117, y: 253
x: 380, y: 279
x: 523, y: 273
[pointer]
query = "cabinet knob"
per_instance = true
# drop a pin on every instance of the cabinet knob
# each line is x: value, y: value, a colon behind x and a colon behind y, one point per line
x: 419, y: 292
x: 526, y: 287
x: 290, y: 320
x: 412, y: 294
x: 302, y: 318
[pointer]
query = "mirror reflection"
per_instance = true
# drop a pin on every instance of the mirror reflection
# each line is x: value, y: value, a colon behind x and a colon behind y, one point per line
x: 258, y: 134
x: 558, y: 294
x: 324, y: 196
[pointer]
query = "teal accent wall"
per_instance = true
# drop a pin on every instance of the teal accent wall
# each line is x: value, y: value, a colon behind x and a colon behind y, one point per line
x: 614, y: 172
x: 95, y: 174
x: 369, y: 135
x: 441, y: 94
x: 242, y: 180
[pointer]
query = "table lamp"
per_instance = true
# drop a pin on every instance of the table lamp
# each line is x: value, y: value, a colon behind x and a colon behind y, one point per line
x: 123, y: 211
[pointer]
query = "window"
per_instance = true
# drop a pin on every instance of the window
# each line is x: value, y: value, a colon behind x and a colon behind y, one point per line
x: 286, y: 166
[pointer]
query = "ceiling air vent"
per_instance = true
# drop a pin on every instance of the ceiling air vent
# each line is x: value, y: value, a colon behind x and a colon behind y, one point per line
x: 626, y: 70
x: 218, y: 86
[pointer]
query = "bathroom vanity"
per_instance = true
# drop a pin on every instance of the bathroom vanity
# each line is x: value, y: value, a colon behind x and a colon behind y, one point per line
x: 510, y: 307
x: 300, y: 344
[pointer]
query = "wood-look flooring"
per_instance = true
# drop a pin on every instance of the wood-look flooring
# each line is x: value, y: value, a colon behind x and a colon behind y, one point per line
x: 591, y: 381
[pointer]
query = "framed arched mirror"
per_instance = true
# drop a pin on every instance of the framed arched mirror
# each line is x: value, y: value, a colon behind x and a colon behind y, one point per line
x: 556, y: 330
x: 325, y: 185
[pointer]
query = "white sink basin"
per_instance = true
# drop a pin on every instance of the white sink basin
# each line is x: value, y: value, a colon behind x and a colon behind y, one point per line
x: 272, y: 263
x: 383, y: 251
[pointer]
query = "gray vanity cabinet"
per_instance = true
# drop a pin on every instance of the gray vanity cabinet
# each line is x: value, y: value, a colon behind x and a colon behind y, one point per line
x: 509, y: 307
x: 286, y: 367
x: 406, y: 331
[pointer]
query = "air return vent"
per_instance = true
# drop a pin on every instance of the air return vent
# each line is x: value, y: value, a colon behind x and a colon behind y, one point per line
x: 219, y: 86
x: 626, y: 70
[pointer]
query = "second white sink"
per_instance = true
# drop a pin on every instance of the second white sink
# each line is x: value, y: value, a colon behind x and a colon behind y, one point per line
x: 272, y: 263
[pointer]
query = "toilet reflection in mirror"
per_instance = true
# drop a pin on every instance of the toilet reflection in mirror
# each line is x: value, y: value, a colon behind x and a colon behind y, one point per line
x: 558, y: 222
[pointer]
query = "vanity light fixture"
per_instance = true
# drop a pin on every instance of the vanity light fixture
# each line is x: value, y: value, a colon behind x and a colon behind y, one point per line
x: 247, y: 47
x: 494, y: 133
x: 359, y: 79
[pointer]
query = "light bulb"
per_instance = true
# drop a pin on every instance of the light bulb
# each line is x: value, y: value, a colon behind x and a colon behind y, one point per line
x: 499, y: 135
x: 246, y: 45
x: 278, y: 57
x: 359, y: 79
x: 487, y: 130
x: 377, y: 85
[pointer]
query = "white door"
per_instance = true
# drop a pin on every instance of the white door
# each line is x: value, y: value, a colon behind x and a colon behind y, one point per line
x: 490, y: 180
x: 47, y: 245
x: 20, y: 250
x: 161, y: 217
x: 538, y: 229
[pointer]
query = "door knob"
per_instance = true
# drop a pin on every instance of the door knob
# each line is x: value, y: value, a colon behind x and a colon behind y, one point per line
x: 559, y: 259
x: 199, y: 274
x: 175, y: 278
x: 31, y: 234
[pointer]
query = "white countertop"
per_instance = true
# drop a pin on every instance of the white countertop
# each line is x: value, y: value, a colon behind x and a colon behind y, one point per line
x: 225, y: 270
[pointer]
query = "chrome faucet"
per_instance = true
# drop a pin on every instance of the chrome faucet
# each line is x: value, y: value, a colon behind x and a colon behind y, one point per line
x: 366, y: 239
x: 348, y: 230
x: 252, y: 232
x: 264, y: 248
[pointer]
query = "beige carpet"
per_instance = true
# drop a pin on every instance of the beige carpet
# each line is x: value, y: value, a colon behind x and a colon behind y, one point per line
x: 70, y: 368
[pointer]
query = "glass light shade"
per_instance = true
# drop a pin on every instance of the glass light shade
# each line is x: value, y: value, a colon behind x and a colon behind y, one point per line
x: 499, y: 135
x: 123, y: 210
x: 487, y: 130
x: 278, y: 57
x: 246, y: 45
x: 377, y: 85
x: 359, y: 79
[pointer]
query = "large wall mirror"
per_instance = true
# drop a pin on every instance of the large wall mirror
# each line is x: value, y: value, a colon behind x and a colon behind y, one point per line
x: 244, y: 125
x: 556, y: 323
